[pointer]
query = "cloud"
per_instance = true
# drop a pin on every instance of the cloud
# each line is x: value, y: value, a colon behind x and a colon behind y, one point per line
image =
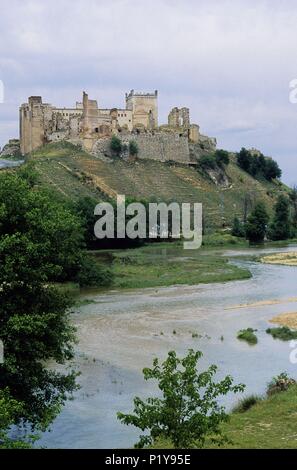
x: 230, y: 62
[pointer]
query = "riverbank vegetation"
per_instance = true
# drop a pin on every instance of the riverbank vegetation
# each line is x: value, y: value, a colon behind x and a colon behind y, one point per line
x: 248, y: 335
x: 156, y: 266
x: 283, y: 333
x: 187, y: 412
x: 259, y: 422
x: 41, y: 244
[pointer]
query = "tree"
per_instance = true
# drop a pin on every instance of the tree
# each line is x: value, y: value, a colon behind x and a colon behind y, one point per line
x: 256, y: 226
x: 188, y: 411
x: 40, y: 243
x: 272, y: 170
x: 257, y: 165
x: 293, y: 198
x: 10, y: 410
x: 133, y: 148
x: 207, y: 162
x: 84, y: 208
x: 238, y: 229
x: 280, y: 228
x: 116, y: 145
x: 244, y: 159
x: 222, y: 157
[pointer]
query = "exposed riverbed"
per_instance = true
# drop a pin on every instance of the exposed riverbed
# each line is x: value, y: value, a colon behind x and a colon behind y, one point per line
x: 120, y: 334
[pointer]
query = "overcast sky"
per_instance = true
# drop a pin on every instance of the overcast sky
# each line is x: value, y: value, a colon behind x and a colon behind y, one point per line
x: 230, y: 62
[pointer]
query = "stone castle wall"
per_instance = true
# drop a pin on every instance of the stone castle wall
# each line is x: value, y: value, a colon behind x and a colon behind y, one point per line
x: 158, y: 146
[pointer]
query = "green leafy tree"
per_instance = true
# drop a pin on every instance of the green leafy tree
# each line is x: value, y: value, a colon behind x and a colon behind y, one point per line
x: 188, y: 411
x: 280, y: 228
x: 40, y: 242
x: 10, y: 411
x: 258, y: 165
x: 238, y: 229
x: 222, y: 157
x: 244, y: 159
x: 293, y: 198
x: 256, y: 226
x: 116, y: 145
x: 207, y: 162
x: 84, y: 208
x: 133, y: 148
x: 272, y: 170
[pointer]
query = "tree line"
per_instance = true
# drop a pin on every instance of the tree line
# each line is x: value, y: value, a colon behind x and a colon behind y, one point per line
x: 259, y: 225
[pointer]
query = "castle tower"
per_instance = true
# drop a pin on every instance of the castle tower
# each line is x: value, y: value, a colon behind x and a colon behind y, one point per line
x: 32, y: 132
x: 144, y: 107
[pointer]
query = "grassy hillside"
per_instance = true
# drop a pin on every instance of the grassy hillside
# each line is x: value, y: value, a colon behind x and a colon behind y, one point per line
x: 270, y: 424
x: 74, y: 173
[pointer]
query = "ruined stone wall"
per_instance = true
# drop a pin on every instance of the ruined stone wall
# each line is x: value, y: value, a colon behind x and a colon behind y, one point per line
x: 159, y: 146
x: 179, y: 117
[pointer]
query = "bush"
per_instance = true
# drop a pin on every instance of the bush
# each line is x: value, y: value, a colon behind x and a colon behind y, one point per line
x: 238, y: 229
x: 284, y: 333
x: 92, y: 274
x: 258, y: 166
x: 246, y: 404
x: 116, y: 145
x: 280, y: 383
x: 187, y: 410
x: 248, y: 335
x: 207, y: 162
x: 222, y: 157
x: 133, y: 148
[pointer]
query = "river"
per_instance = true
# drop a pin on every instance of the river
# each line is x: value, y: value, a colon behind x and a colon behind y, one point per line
x: 10, y: 163
x: 120, y: 334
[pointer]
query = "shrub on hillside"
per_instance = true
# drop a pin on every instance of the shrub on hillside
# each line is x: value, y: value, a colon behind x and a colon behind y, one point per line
x: 222, y: 157
x: 207, y: 162
x: 116, y: 145
x: 258, y: 165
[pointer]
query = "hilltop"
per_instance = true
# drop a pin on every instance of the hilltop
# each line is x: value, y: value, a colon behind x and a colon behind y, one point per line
x: 225, y: 192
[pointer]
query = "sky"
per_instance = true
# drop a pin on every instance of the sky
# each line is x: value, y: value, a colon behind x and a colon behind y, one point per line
x: 230, y: 62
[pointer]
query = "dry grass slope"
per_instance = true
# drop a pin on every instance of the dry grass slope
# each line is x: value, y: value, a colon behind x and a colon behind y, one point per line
x: 75, y: 173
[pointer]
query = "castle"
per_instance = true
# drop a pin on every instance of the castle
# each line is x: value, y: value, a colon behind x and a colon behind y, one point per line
x: 92, y: 127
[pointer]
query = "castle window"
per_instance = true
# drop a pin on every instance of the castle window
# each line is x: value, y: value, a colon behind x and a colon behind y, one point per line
x: 97, y: 129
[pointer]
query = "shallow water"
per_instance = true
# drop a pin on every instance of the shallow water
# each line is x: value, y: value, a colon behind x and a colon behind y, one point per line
x: 10, y: 163
x: 120, y: 334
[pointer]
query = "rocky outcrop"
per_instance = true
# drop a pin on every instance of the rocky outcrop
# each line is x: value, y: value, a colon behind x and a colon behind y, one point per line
x: 11, y: 150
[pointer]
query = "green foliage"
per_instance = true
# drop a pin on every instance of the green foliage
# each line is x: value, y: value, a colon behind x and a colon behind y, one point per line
x: 40, y: 242
x: 207, y: 162
x: 116, y: 145
x: 246, y: 403
x: 282, y: 332
x: 133, y: 148
x: 248, y: 335
x: 293, y: 199
x: 188, y: 411
x: 280, y: 383
x: 53, y: 231
x: 84, y: 208
x: 280, y: 228
x: 222, y: 157
x: 256, y: 226
x: 92, y: 274
x: 10, y: 412
x: 238, y: 229
x: 258, y: 166
x: 28, y: 173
